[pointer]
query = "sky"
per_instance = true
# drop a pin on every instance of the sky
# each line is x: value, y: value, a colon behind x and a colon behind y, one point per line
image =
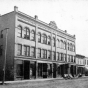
x: 70, y: 15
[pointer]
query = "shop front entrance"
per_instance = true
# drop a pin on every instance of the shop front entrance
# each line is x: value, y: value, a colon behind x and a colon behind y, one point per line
x: 26, y: 70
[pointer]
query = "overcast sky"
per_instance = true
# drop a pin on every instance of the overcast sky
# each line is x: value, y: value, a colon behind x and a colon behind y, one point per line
x: 70, y: 15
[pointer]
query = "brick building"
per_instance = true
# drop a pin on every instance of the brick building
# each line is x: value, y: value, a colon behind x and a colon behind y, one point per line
x: 35, y: 49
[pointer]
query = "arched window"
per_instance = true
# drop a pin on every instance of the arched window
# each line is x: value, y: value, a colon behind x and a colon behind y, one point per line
x: 44, y: 38
x: 39, y: 37
x: 32, y: 35
x: 64, y: 45
x: 73, y: 47
x: 19, y: 31
x: 49, y: 40
x: 70, y: 46
x: 26, y: 33
x: 54, y: 41
x: 58, y: 43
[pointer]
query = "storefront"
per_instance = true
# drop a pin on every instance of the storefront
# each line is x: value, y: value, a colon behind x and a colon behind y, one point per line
x: 28, y: 69
x: 25, y: 69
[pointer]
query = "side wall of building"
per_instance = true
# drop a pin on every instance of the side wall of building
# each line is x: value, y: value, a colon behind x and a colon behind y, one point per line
x: 7, y: 21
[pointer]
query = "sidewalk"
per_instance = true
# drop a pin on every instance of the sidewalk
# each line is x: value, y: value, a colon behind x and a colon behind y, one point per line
x: 30, y: 80
x: 37, y: 80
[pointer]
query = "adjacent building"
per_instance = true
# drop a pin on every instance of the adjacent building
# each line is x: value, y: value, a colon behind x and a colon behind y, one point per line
x: 86, y: 66
x: 34, y: 49
x: 80, y: 61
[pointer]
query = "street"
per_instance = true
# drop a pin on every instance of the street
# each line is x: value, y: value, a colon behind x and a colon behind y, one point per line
x: 71, y: 83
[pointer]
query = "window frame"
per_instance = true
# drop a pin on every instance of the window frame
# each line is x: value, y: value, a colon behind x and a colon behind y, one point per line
x: 32, y: 52
x: 19, y: 50
x: 49, y: 40
x: 20, y: 28
x: 39, y: 53
x: 39, y: 37
x: 32, y: 35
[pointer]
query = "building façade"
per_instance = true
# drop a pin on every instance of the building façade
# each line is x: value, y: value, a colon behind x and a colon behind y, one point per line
x: 35, y: 49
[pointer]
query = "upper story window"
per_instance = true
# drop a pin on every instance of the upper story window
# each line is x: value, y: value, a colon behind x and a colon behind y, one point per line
x: 54, y: 41
x: 39, y: 37
x: 74, y: 48
x: 39, y: 53
x: 74, y: 59
x: 49, y: 54
x: 26, y: 50
x: 33, y: 35
x: 64, y: 45
x: 19, y: 31
x: 62, y: 57
x: 19, y: 49
x: 68, y: 58
x: 44, y: 38
x: 57, y: 56
x: 44, y: 53
x: 49, y: 40
x: 32, y: 51
x: 26, y: 33
x: 70, y: 46
x: 71, y: 58
x: 54, y: 56
x: 58, y: 43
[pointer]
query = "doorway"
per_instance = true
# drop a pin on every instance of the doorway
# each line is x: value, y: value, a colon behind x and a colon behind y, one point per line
x: 26, y: 70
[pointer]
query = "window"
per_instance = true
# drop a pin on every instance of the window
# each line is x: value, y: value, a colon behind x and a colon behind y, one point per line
x: 65, y: 57
x: 68, y: 58
x: 19, y: 68
x: 49, y: 54
x: 74, y: 48
x: 64, y: 45
x: 62, y: 56
x: 70, y: 46
x: 32, y: 51
x: 58, y: 43
x: 54, y: 56
x: 74, y: 59
x: 19, y: 49
x: 49, y: 40
x: 54, y: 41
x: 26, y: 33
x: 44, y: 39
x: 19, y: 31
x: 44, y: 54
x: 1, y: 49
x: 39, y: 37
x: 26, y: 50
x: 58, y: 56
x: 32, y: 35
x: 71, y: 58
x: 39, y: 53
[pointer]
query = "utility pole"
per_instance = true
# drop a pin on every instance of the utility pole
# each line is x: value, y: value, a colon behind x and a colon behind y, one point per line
x: 4, y: 65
